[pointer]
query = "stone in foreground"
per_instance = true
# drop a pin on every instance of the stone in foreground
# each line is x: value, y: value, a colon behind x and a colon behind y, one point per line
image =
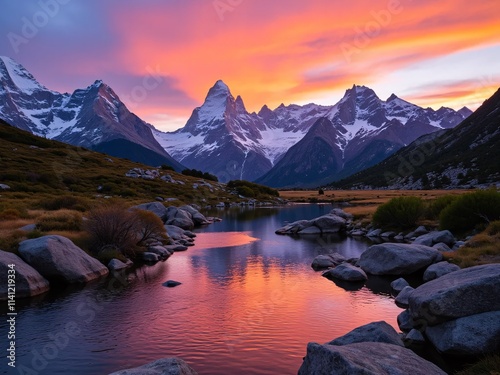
x: 165, y: 366
x: 398, y: 285
x: 366, y: 358
x: 57, y: 258
x: 29, y: 282
x: 432, y: 238
x: 469, y: 291
x: 372, y: 332
x: 397, y: 258
x: 475, y: 335
x: 346, y: 272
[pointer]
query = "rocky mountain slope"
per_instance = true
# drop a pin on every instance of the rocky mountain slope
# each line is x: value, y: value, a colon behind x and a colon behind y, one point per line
x: 280, y: 147
x: 93, y: 117
x: 465, y: 156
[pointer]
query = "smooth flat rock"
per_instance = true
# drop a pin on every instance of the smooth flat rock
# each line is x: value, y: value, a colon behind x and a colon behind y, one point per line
x: 171, y: 283
x: 28, y: 280
x: 165, y: 366
x: 372, y: 332
x: 366, y: 358
x: 465, y: 292
x: 397, y: 258
x: 346, y: 272
x: 475, y: 335
x: 436, y: 270
x: 57, y: 258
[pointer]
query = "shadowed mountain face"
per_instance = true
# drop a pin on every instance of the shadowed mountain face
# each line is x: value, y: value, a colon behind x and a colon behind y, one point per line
x: 90, y: 117
x: 465, y: 156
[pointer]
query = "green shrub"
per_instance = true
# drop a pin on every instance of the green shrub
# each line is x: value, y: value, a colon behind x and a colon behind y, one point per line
x: 245, y: 191
x: 436, y: 206
x: 471, y: 211
x: 199, y: 174
x: 237, y: 185
x: 60, y: 221
x: 114, y: 226
x: 399, y: 213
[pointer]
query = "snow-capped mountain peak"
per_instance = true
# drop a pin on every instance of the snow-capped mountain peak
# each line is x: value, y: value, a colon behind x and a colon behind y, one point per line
x: 18, y: 76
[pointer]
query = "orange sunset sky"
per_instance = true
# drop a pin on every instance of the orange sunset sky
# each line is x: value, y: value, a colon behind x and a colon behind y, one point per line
x: 161, y: 57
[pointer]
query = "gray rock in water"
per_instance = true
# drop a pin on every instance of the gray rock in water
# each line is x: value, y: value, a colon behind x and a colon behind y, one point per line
x: 324, y: 224
x: 366, y: 358
x: 403, y: 296
x: 180, y: 218
x: 433, y: 238
x: 327, y: 260
x: 162, y: 251
x: 458, y: 294
x: 155, y: 207
x: 374, y: 233
x: 439, y: 269
x: 398, y: 285
x: 389, y: 234
x: 57, y: 258
x: 150, y: 257
x: 475, y: 335
x: 399, y: 237
x: 29, y: 282
x: 175, y: 232
x: 372, y: 332
x: 346, y: 272
x: 116, y: 265
x: 404, y: 321
x: 397, y: 258
x: 171, y: 283
x: 165, y: 366
x: 174, y: 248
x: 341, y: 213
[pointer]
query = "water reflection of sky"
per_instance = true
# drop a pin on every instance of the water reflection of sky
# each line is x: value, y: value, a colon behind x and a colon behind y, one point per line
x: 248, y: 299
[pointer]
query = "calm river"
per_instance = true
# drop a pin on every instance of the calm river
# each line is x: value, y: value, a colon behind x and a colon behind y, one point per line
x: 248, y: 304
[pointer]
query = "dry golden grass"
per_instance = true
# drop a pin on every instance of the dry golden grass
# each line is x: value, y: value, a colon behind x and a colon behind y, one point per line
x: 364, y: 203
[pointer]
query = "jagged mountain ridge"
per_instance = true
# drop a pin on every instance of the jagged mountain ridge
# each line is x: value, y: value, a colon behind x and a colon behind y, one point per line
x: 463, y: 157
x: 93, y: 117
x: 222, y: 137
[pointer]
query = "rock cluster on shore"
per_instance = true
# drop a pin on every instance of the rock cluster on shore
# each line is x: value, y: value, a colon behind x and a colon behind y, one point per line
x: 164, y: 366
x: 455, y: 311
x: 54, y: 258
x: 333, y: 222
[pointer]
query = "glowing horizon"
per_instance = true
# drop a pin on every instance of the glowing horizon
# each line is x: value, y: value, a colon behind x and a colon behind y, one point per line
x: 162, y: 57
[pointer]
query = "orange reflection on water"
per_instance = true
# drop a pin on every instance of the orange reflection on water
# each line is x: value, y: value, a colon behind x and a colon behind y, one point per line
x: 225, y: 239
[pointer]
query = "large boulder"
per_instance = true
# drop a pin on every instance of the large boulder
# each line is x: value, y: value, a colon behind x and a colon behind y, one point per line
x: 439, y: 269
x: 57, y: 258
x: 327, y: 260
x: 341, y: 213
x: 365, y: 358
x: 458, y: 294
x: 475, y: 335
x: 198, y: 218
x: 28, y: 281
x: 180, y: 218
x: 346, y: 272
x: 165, y: 366
x: 433, y: 238
x: 397, y: 258
x: 328, y: 223
x: 155, y: 207
x: 372, y: 332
